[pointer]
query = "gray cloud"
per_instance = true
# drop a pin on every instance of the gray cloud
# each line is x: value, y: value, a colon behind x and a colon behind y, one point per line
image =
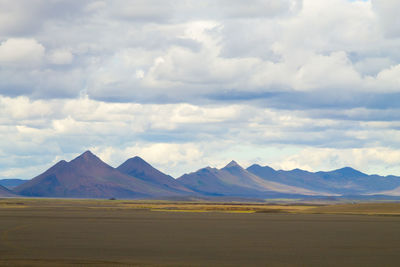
x: 184, y: 51
x: 207, y: 80
x: 27, y: 17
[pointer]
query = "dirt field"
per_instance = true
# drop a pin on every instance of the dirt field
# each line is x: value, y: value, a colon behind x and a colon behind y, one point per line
x: 124, y: 233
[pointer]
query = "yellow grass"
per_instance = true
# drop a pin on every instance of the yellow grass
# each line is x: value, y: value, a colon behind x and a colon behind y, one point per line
x: 360, y: 208
x: 153, y: 205
x: 202, y: 206
x: 199, y: 210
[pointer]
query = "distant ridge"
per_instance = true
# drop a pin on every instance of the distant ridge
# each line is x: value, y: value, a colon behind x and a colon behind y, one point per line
x: 344, y: 181
x: 233, y: 180
x: 4, y: 192
x: 87, y: 176
x: 11, y: 183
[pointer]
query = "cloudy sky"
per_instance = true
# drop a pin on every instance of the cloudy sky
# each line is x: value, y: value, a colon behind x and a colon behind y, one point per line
x: 184, y: 84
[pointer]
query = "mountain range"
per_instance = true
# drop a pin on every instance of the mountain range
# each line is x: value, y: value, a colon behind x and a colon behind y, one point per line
x: 87, y: 176
x: 233, y: 180
x: 11, y: 183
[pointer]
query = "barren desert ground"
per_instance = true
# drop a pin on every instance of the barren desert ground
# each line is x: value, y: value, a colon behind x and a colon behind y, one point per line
x: 46, y: 232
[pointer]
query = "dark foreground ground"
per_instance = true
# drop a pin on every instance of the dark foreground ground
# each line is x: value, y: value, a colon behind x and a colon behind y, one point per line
x: 53, y: 236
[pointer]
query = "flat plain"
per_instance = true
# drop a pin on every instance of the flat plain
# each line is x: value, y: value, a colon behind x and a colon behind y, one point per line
x: 55, y: 232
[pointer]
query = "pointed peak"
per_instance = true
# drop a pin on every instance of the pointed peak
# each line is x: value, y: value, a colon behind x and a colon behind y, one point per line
x: 61, y: 162
x: 87, y: 153
x: 232, y: 164
x: 135, y: 163
x: 136, y: 160
x: 87, y: 156
x: 255, y: 165
x: 349, y: 171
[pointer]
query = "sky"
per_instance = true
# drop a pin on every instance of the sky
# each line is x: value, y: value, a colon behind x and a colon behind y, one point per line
x: 186, y: 84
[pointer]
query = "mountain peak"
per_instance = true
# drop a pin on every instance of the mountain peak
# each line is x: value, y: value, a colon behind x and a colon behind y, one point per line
x: 349, y: 171
x: 87, y: 153
x: 139, y: 168
x: 255, y: 165
x: 87, y: 156
x: 232, y: 164
x: 258, y: 169
x: 138, y: 159
x: 135, y: 162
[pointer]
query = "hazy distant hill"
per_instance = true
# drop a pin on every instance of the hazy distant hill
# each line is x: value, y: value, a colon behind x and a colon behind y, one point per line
x: 233, y: 180
x: 88, y: 177
x: 11, y: 183
x: 4, y: 192
x: 139, y: 168
x: 344, y: 181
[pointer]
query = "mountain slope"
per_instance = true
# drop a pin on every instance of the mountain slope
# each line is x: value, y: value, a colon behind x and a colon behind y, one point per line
x: 208, y: 181
x: 139, y: 168
x: 236, y: 181
x: 344, y: 181
x: 88, y: 177
x: 248, y: 179
x: 4, y: 192
x: 394, y: 192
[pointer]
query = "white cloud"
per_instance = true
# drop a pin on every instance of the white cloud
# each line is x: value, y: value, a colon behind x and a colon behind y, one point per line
x: 147, y: 51
x: 332, y: 71
x: 21, y: 52
x: 181, y: 137
x: 21, y: 108
x: 389, y: 78
x: 168, y: 157
x: 202, y: 82
x: 60, y: 57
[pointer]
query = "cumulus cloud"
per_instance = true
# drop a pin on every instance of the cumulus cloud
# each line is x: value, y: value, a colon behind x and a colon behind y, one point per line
x: 192, y: 83
x: 21, y: 52
x: 179, y: 138
x: 187, y: 51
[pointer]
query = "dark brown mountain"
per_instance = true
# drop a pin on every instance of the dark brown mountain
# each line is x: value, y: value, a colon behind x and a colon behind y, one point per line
x: 137, y: 167
x: 88, y: 177
x: 4, y: 192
